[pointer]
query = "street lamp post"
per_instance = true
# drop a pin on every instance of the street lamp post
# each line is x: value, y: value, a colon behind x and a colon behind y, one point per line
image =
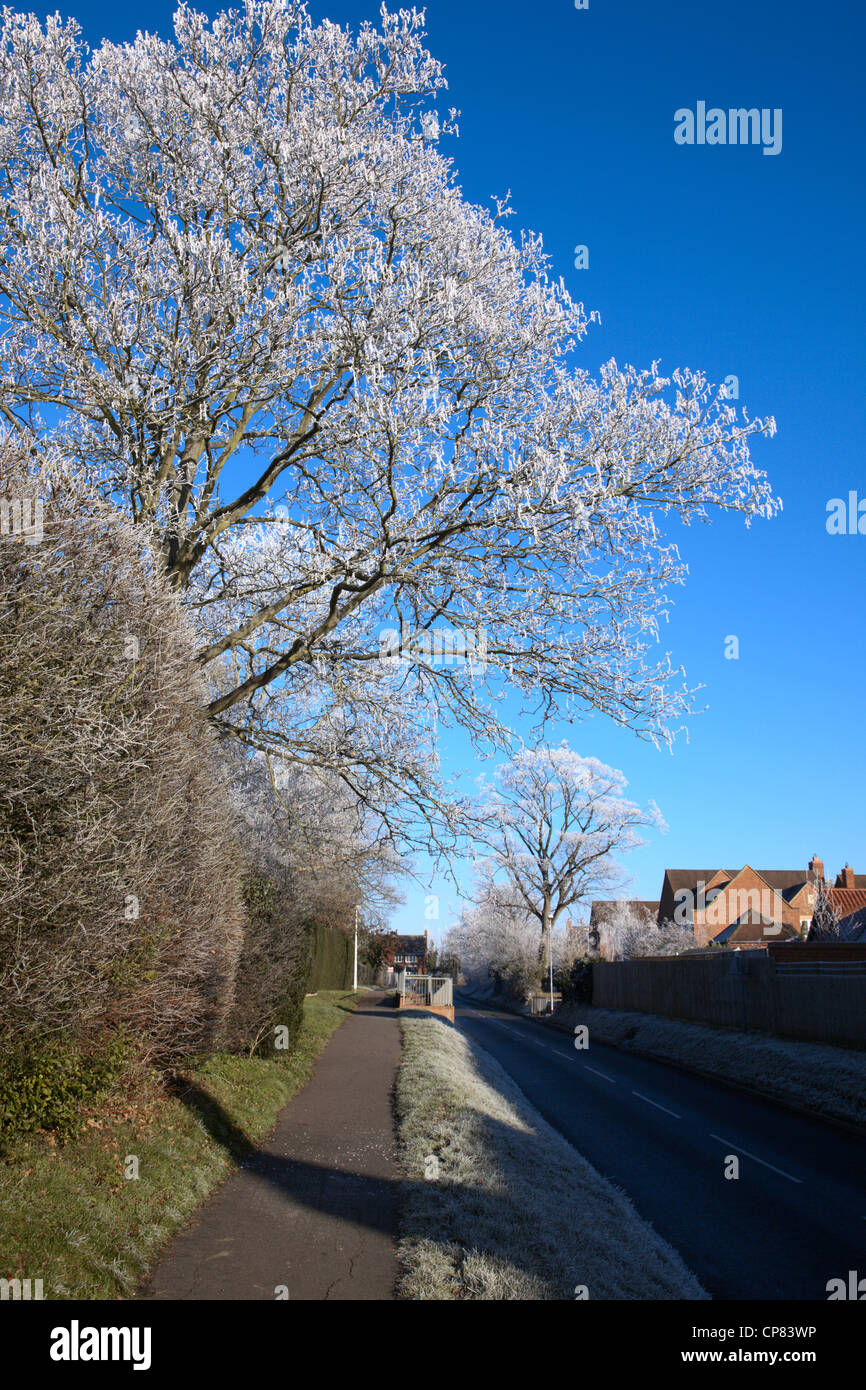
x: 355, y: 979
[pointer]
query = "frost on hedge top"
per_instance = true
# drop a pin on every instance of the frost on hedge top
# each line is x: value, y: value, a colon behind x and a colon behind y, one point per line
x: 241, y: 283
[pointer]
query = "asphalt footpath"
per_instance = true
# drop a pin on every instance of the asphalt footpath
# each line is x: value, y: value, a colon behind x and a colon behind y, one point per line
x: 312, y: 1213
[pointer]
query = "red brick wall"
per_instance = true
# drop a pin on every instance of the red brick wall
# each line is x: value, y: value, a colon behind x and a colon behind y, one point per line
x: 817, y: 950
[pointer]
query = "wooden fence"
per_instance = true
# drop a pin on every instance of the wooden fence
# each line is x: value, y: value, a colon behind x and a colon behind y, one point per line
x: 813, y: 1000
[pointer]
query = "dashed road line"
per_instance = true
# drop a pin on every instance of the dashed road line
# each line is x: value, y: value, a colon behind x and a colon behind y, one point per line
x: 657, y: 1106
x: 602, y: 1074
x: 755, y: 1159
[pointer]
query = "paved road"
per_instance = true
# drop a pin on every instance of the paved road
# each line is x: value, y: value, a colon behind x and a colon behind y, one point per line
x: 795, y: 1217
x: 313, y: 1212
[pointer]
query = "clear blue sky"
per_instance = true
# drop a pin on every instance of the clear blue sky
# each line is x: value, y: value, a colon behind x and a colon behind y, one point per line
x: 720, y: 258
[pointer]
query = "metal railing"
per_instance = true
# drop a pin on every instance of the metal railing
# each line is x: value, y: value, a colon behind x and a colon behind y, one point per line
x: 427, y: 990
x: 540, y: 1003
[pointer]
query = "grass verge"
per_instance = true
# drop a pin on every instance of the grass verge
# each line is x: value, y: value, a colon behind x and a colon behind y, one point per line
x: 72, y: 1217
x: 498, y: 1205
x: 829, y: 1081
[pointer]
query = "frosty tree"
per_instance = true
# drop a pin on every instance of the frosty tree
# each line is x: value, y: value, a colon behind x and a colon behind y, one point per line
x: 497, y: 938
x: 559, y: 821
x: 314, y: 831
x: 627, y: 933
x: 824, y: 925
x: 239, y: 282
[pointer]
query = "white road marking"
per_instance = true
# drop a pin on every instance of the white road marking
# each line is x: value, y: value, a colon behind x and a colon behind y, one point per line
x: 657, y: 1106
x: 755, y: 1159
x: 519, y: 1033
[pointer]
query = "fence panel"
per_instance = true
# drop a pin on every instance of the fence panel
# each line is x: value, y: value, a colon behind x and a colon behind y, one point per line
x: 815, y: 1001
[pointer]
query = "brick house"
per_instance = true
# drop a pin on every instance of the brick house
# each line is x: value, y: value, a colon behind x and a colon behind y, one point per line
x: 734, y: 907
x: 848, y: 897
x: 407, y: 953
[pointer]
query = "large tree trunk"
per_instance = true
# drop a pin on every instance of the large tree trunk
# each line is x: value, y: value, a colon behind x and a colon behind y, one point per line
x: 544, y: 948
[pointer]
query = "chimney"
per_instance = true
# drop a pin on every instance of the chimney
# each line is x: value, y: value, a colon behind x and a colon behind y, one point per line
x: 847, y: 877
x: 816, y: 868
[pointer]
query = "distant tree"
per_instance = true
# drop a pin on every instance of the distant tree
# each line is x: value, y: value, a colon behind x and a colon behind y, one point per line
x: 447, y: 963
x: 635, y: 936
x: 825, y: 919
x: 377, y: 947
x: 557, y: 821
x: 441, y: 961
x: 497, y: 939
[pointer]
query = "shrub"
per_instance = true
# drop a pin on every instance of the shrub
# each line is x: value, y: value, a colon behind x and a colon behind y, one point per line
x: 44, y: 1083
x: 274, y: 965
x: 332, y: 952
x: 301, y: 844
x: 285, y: 955
x: 517, y: 979
x: 575, y: 982
x: 120, y: 895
